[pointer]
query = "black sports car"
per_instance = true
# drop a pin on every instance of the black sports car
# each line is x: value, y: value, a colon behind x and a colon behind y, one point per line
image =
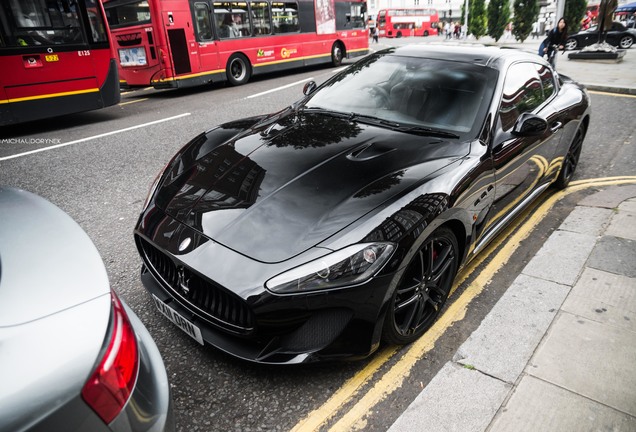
x: 339, y: 222
x: 618, y: 36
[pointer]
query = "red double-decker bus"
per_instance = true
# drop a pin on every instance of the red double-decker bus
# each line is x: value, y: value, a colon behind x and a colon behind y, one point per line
x: 404, y: 22
x: 182, y: 43
x: 55, y: 59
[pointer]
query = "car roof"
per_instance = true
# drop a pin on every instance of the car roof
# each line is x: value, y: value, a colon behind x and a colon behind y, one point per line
x: 491, y: 56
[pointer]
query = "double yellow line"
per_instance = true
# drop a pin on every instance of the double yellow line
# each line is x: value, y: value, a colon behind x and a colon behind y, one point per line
x: 387, y: 382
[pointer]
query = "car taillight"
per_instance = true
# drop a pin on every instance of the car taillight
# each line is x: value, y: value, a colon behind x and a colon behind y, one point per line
x: 110, y: 385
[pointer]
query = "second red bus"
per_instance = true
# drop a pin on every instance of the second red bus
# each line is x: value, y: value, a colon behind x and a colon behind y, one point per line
x: 404, y: 22
x: 182, y: 43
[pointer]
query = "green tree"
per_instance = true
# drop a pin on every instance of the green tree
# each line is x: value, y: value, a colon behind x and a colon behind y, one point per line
x: 498, y: 18
x: 574, y: 13
x: 526, y: 12
x: 477, y: 18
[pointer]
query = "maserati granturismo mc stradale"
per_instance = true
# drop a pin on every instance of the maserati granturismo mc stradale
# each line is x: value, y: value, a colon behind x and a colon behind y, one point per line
x: 322, y: 230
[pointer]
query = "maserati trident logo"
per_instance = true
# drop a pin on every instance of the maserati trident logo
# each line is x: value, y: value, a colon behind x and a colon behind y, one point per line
x: 184, y: 244
x: 183, y: 281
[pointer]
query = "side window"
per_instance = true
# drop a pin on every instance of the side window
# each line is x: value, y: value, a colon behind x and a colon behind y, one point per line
x: 349, y: 15
x: 547, y: 80
x: 202, y: 22
x: 261, y: 18
x: 522, y: 93
x: 285, y: 17
x: 231, y: 19
x: 357, y: 15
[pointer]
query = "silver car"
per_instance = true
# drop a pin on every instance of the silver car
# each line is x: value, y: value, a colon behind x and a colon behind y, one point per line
x: 73, y: 356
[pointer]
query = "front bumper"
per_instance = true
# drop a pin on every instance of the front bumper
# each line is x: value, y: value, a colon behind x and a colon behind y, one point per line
x: 225, y: 298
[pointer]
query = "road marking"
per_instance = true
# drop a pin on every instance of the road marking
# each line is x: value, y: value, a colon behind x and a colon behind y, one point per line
x: 279, y: 88
x: 394, y: 377
x: 92, y: 137
x: 132, y: 101
x: 611, y: 94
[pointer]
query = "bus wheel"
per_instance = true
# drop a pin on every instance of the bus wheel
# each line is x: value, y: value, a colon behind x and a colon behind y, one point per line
x: 238, y: 69
x: 398, y: 35
x: 337, y: 53
x: 425, y: 33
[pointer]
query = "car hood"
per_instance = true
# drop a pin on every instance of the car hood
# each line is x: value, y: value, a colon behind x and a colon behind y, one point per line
x: 47, y: 262
x: 283, y: 186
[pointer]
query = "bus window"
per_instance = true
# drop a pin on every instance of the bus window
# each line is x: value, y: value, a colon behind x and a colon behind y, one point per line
x: 128, y: 14
x: 33, y: 23
x: 231, y: 19
x: 261, y: 18
x: 96, y: 21
x: 349, y: 15
x: 285, y: 17
x: 202, y: 22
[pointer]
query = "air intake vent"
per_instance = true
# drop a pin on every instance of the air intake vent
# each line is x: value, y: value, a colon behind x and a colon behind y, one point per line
x: 212, y: 301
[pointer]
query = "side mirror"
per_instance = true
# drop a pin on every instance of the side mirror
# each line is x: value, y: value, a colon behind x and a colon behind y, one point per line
x: 309, y: 88
x: 529, y: 125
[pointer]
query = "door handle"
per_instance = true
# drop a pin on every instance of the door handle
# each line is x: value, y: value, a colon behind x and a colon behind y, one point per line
x: 556, y: 126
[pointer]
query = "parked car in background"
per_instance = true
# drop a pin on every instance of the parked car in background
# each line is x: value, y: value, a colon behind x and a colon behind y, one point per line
x: 339, y: 223
x: 73, y: 356
x: 618, y: 36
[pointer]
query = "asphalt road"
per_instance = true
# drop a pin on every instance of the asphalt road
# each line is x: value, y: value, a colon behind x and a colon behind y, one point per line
x: 101, y: 179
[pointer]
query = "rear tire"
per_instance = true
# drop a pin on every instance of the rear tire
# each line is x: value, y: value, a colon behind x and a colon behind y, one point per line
x: 337, y: 54
x: 398, y: 35
x: 423, y: 288
x: 571, y: 160
x: 571, y: 44
x: 239, y: 69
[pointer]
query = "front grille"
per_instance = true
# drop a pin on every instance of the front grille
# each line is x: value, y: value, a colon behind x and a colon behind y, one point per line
x: 217, y: 305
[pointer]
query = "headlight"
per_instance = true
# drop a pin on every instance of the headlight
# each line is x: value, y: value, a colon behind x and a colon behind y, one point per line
x: 352, y: 265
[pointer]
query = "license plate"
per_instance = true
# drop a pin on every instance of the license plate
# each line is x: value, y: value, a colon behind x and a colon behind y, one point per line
x: 185, y: 325
x: 51, y: 58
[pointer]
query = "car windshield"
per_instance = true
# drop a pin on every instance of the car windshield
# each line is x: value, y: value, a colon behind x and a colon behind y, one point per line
x: 411, y: 92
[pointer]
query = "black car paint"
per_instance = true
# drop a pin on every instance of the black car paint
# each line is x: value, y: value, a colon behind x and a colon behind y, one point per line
x: 411, y: 186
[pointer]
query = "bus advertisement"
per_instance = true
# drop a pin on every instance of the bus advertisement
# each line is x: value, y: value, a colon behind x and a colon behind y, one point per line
x: 408, y: 22
x: 56, y: 59
x: 183, y: 43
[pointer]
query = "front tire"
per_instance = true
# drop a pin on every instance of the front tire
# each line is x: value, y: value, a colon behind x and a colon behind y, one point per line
x: 571, y: 160
x: 423, y: 288
x: 238, y: 70
x: 626, y: 42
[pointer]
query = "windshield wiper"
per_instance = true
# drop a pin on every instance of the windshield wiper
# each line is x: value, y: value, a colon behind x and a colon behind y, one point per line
x: 376, y: 121
x: 364, y: 118
x: 419, y: 130
x: 324, y: 111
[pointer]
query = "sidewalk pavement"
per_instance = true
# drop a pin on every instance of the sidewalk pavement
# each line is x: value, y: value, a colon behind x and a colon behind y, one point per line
x: 558, y: 350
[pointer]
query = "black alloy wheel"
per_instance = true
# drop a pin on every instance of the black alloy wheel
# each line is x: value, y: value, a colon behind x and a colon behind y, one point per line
x: 571, y: 160
x: 423, y: 288
x: 238, y: 69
